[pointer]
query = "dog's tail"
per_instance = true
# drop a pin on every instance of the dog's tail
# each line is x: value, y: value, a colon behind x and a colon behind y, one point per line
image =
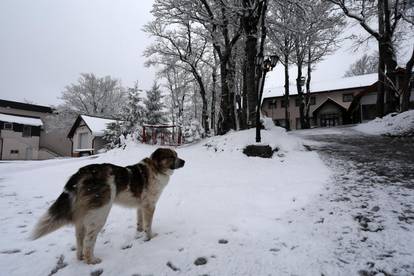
x: 59, y: 214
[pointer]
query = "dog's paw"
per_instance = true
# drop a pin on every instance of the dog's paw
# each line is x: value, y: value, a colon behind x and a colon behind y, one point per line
x: 79, y: 256
x: 148, y: 237
x: 139, y: 228
x: 93, y: 261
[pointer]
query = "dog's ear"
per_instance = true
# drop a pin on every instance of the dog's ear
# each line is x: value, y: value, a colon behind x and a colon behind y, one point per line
x: 159, y: 154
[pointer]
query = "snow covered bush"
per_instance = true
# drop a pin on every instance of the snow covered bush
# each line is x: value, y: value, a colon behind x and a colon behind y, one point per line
x: 193, y: 132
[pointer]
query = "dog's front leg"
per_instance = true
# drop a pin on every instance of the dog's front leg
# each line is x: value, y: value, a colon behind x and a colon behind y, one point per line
x: 80, y: 236
x: 140, y: 225
x: 148, y: 214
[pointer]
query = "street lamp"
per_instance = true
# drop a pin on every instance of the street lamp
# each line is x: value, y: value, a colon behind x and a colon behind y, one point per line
x: 266, y: 65
x: 302, y: 81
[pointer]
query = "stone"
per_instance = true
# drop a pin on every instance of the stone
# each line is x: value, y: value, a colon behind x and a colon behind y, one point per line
x: 200, y: 261
x: 263, y: 151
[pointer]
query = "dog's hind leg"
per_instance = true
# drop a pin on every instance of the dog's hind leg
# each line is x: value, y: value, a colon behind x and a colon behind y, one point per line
x: 80, y: 236
x: 94, y: 221
x: 148, y: 214
x: 140, y: 220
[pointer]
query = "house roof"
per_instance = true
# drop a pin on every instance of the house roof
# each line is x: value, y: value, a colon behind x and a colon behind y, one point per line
x: 326, y: 86
x: 329, y: 100
x: 31, y: 121
x: 96, y: 125
x: 26, y: 106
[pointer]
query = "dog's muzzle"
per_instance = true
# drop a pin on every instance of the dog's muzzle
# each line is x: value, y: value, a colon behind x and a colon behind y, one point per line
x: 179, y: 163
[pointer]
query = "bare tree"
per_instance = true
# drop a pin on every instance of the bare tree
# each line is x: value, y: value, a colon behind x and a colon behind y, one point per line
x: 382, y: 20
x: 316, y: 35
x: 367, y: 64
x: 250, y: 22
x: 91, y: 95
x: 180, y: 42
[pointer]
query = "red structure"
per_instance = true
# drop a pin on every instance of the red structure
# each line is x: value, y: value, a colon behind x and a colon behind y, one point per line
x: 170, y: 135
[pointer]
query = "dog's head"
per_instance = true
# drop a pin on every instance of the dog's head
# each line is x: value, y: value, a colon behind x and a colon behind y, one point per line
x: 167, y: 159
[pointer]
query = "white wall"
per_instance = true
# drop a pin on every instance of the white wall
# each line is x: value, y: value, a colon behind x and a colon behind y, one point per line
x: 78, y: 131
x: 14, y: 141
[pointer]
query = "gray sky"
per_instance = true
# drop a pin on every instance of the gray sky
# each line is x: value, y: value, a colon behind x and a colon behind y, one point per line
x: 46, y: 44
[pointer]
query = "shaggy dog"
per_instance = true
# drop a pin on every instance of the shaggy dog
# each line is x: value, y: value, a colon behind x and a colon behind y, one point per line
x: 89, y: 194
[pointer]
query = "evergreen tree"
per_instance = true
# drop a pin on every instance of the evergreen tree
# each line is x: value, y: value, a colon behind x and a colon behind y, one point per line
x: 132, y: 114
x: 131, y: 119
x: 154, y: 106
x: 112, y: 135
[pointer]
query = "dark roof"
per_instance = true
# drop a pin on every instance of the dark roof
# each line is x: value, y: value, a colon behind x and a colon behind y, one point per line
x: 75, y: 126
x: 26, y: 106
x: 329, y: 100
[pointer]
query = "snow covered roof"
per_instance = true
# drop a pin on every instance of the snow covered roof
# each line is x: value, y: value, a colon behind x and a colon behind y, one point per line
x: 96, y: 125
x: 328, y: 85
x: 20, y: 120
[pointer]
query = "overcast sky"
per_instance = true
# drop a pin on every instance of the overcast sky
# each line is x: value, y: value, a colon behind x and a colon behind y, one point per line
x: 46, y: 44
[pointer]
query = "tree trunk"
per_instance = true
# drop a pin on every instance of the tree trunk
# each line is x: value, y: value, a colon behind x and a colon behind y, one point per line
x: 381, y: 87
x: 213, y: 99
x: 390, y: 62
x: 244, y: 101
x: 381, y: 63
x: 308, y: 95
x: 251, y: 52
x: 406, y: 87
x: 226, y: 116
x: 204, y: 112
x: 300, y: 96
x: 287, y: 119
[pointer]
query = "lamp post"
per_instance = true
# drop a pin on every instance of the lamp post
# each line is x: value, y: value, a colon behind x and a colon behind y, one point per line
x: 301, y: 102
x: 302, y: 82
x: 266, y: 65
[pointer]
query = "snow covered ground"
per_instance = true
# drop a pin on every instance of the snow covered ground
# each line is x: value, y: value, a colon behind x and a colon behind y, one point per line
x: 232, y: 210
x: 393, y: 124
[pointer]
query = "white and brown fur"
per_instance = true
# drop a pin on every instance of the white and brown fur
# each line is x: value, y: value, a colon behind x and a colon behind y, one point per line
x: 89, y: 194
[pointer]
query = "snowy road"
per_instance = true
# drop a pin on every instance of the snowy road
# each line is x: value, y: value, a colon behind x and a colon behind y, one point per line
x: 367, y: 213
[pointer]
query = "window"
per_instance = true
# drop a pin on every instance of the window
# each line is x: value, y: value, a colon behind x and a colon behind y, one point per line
x: 347, y: 97
x: 283, y: 103
x: 8, y: 126
x: 83, y: 140
x: 14, y: 151
x: 27, y: 131
x: 272, y: 104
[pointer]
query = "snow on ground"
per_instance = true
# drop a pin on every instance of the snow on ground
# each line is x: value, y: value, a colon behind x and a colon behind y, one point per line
x: 393, y: 124
x: 220, y: 195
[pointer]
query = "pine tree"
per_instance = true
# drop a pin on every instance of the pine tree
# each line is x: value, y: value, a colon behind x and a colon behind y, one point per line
x: 132, y: 114
x: 154, y: 106
x: 112, y: 135
x: 131, y: 119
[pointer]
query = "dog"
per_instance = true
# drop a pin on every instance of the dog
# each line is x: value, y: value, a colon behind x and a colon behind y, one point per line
x: 89, y: 194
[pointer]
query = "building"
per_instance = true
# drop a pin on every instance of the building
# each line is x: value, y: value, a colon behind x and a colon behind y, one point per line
x: 334, y: 102
x: 86, y: 135
x: 22, y: 133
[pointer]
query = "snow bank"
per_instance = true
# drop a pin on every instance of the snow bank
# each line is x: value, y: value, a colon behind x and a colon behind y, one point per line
x: 217, y: 196
x: 393, y: 124
x: 275, y: 137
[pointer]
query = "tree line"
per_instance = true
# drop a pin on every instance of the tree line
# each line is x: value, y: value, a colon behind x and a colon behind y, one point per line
x: 206, y: 53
